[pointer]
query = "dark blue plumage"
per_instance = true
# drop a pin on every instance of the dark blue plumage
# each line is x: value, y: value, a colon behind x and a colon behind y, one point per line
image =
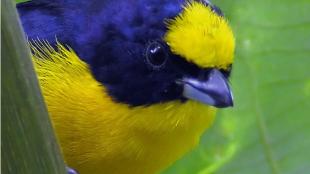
x: 86, y: 25
x: 112, y: 37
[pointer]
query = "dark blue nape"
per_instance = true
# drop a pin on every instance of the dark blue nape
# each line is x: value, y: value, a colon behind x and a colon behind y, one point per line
x: 112, y: 36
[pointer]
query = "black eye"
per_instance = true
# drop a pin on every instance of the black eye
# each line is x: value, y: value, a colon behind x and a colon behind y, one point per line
x: 156, y: 54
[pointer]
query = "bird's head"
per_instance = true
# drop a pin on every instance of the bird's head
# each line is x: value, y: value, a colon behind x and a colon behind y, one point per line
x: 167, y: 50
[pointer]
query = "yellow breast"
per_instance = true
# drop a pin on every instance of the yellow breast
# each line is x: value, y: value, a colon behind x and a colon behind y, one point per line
x: 98, y: 135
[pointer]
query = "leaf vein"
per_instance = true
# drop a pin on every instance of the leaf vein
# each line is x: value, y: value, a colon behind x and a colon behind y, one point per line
x: 261, y: 123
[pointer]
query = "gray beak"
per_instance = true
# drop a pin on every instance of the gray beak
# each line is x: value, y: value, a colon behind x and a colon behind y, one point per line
x: 214, y: 91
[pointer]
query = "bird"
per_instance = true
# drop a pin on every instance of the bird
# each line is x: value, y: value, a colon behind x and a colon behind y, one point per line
x: 130, y: 85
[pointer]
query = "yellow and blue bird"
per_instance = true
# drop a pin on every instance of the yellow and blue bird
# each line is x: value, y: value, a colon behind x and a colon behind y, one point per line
x: 130, y: 85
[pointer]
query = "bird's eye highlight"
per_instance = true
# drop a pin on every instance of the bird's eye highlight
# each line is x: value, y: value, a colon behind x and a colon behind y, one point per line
x: 156, y: 54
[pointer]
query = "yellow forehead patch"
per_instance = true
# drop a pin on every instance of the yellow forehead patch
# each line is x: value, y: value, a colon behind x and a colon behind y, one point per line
x: 201, y: 36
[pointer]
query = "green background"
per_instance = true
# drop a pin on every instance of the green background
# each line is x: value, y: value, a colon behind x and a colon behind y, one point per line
x: 268, y: 130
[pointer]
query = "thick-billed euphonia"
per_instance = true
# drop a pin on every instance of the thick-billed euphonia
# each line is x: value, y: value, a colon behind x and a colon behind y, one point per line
x: 130, y: 85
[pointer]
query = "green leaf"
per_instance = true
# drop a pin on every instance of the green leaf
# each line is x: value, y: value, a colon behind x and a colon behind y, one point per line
x: 28, y: 143
x: 18, y: 1
x: 268, y: 130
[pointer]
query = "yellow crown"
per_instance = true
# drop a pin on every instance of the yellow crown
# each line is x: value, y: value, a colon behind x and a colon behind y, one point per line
x: 201, y: 36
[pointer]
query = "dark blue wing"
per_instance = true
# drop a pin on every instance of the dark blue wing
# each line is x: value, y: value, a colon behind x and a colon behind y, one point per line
x: 42, y: 20
x: 88, y: 26
x: 68, y: 21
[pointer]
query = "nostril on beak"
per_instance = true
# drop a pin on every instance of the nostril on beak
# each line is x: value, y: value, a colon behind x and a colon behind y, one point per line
x: 204, y: 74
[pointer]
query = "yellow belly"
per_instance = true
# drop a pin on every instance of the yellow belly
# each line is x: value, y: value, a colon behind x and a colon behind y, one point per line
x: 100, y: 136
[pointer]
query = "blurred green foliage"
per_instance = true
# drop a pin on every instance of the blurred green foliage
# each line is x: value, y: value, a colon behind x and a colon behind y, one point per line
x: 268, y: 130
